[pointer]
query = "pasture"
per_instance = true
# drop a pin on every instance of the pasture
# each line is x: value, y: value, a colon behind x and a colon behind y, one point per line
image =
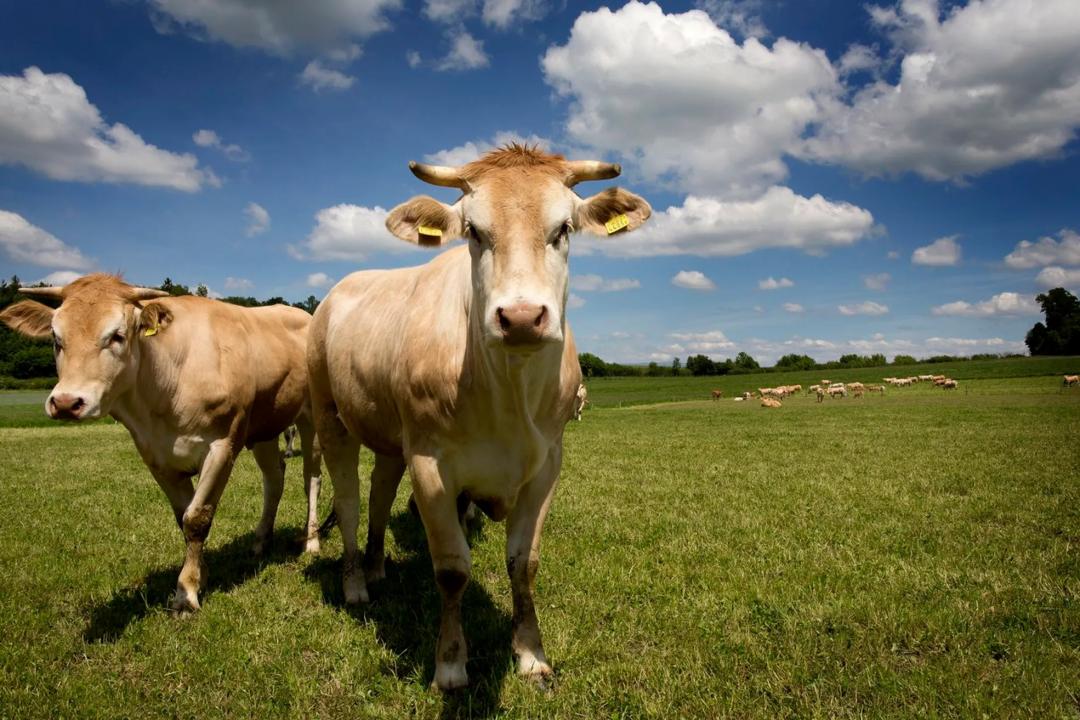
x: 913, y: 555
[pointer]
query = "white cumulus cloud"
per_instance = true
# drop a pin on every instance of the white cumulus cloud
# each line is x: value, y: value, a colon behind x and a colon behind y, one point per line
x: 869, y: 307
x: 981, y: 86
x: 24, y: 242
x: 319, y: 280
x: 1006, y: 303
x: 319, y: 77
x: 684, y: 101
x: 59, y: 278
x: 258, y: 219
x: 877, y: 281
x: 943, y: 252
x: 1046, y: 251
x: 771, y: 283
x: 238, y: 283
x: 794, y: 307
x: 707, y: 226
x: 575, y: 301
x: 472, y: 149
x: 48, y: 125
x: 466, y: 53
x: 692, y: 280
x: 281, y: 27
x: 349, y: 232
x: 1054, y: 276
x: 210, y: 139
x: 597, y: 283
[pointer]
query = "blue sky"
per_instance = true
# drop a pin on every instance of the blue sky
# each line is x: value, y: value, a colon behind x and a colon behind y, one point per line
x: 826, y: 177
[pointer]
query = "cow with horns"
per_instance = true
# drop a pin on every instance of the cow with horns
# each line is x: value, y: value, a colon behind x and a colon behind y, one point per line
x: 464, y: 371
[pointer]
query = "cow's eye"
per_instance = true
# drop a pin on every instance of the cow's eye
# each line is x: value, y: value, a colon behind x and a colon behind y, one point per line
x: 563, y: 235
x: 57, y: 345
x: 471, y: 233
x: 117, y: 339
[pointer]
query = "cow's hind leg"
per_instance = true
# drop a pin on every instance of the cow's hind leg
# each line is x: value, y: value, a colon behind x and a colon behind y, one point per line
x: 309, y: 446
x: 385, y: 478
x: 268, y: 457
x: 342, y: 454
x: 523, y: 529
x: 196, y: 522
x: 452, y: 563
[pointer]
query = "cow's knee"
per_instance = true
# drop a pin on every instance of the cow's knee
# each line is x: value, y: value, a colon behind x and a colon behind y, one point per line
x: 452, y: 581
x: 196, y: 523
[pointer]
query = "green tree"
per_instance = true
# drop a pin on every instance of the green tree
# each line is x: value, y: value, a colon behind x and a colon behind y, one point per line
x: 794, y: 361
x: 592, y: 366
x: 676, y: 366
x: 202, y: 290
x: 1061, y: 333
x: 700, y: 365
x: 310, y: 305
x: 904, y: 360
x: 745, y: 363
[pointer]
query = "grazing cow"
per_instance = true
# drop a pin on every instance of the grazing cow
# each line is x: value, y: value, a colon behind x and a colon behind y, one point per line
x: 581, y: 400
x: 194, y: 381
x: 1071, y: 380
x: 837, y: 391
x: 820, y: 393
x: 857, y: 392
x: 770, y: 403
x: 938, y: 382
x: 875, y: 389
x: 949, y: 384
x: 464, y: 371
x: 717, y: 394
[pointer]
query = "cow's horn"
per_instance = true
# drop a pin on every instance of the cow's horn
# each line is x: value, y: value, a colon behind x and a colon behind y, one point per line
x: 438, y: 175
x: 48, y: 292
x: 141, y: 293
x: 582, y: 170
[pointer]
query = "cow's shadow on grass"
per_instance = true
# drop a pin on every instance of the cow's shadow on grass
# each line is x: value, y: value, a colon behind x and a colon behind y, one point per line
x: 404, y: 611
x: 228, y: 565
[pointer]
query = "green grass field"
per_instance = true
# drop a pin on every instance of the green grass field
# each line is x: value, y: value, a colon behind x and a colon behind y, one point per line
x: 916, y: 555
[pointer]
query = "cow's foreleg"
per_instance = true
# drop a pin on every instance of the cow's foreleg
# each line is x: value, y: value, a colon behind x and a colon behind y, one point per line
x: 385, y: 478
x: 309, y: 446
x: 451, y: 560
x: 268, y: 458
x: 196, y: 523
x: 523, y: 529
x: 178, y: 488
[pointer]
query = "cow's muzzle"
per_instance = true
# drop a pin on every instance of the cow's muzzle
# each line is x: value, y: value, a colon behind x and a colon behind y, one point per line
x: 66, y: 406
x: 522, y: 324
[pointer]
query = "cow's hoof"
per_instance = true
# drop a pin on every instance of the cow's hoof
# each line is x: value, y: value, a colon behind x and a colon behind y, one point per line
x: 375, y: 571
x: 540, y: 675
x: 312, y: 545
x: 450, y: 677
x: 355, y: 592
x: 184, y: 604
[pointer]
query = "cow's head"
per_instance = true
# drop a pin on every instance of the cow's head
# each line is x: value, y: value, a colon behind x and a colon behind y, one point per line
x: 94, y: 334
x: 517, y: 211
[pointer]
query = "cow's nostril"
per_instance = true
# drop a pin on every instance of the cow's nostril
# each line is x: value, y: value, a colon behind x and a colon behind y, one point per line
x: 504, y: 322
x: 77, y: 405
x: 541, y: 317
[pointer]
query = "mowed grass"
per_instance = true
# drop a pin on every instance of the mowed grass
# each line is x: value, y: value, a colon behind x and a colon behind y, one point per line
x: 908, y: 556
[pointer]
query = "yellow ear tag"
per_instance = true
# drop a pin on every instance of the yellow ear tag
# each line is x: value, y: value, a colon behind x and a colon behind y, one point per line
x: 150, y: 331
x: 617, y: 223
x: 429, y: 234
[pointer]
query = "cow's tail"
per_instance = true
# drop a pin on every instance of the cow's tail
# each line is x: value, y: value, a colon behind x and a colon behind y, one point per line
x: 328, y: 524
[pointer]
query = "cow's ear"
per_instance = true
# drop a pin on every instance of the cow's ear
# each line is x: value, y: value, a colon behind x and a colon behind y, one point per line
x: 153, y: 318
x: 612, y: 211
x: 29, y: 318
x: 425, y: 221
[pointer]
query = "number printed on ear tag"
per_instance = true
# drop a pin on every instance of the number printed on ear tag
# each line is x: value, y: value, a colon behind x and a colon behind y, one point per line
x: 617, y: 223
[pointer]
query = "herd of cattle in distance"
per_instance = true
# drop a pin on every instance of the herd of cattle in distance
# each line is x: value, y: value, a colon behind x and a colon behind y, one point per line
x: 462, y: 370
x: 773, y: 397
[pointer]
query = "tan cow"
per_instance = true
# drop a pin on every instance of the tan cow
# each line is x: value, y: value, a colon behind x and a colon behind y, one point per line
x: 194, y: 381
x: 582, y: 399
x: 717, y: 394
x: 464, y: 370
x: 771, y: 403
x: 1071, y: 380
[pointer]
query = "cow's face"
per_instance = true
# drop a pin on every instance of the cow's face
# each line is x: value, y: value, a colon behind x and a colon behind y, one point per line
x: 517, y: 214
x: 94, y: 335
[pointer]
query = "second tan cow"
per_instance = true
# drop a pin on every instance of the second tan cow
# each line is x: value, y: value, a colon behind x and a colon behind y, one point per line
x: 194, y: 381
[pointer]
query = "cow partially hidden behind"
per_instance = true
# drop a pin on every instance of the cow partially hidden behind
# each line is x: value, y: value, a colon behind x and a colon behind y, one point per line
x: 194, y: 381
x: 463, y: 370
